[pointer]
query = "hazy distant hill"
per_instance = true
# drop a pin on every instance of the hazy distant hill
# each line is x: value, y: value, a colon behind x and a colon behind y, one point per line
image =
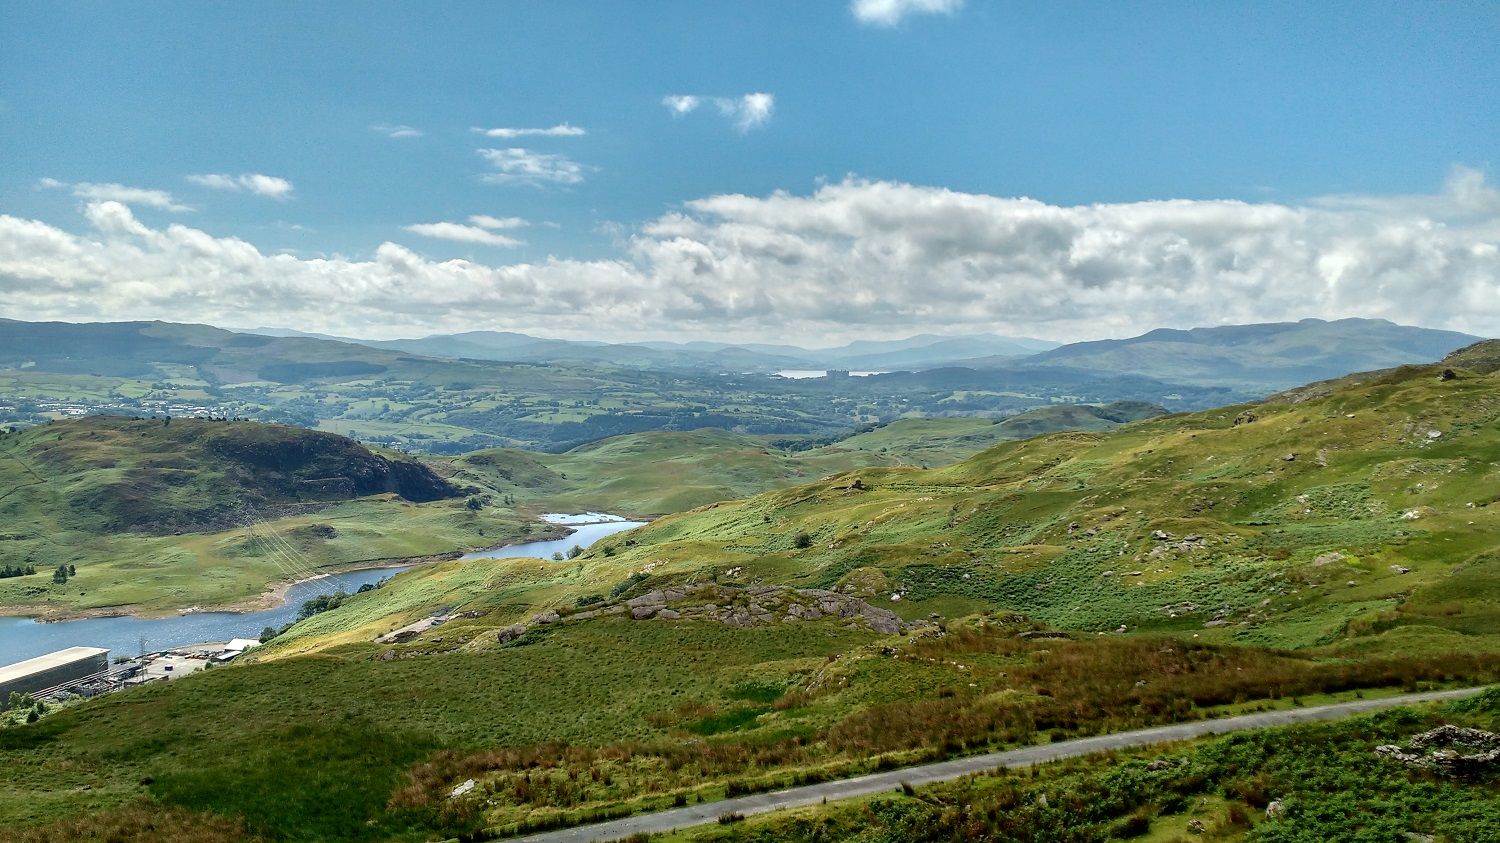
x: 917, y: 352
x: 1258, y: 358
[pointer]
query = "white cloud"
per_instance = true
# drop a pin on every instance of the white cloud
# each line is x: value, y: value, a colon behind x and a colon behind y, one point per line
x: 261, y: 185
x: 680, y: 104
x: 396, y: 130
x: 111, y: 192
x: 890, y: 13
x: 851, y: 258
x: 561, y: 130
x: 461, y: 233
x: 524, y: 166
x: 497, y: 223
x: 747, y: 112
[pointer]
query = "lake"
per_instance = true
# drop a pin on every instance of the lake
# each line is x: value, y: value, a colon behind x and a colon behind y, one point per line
x: 799, y: 374
x: 24, y: 638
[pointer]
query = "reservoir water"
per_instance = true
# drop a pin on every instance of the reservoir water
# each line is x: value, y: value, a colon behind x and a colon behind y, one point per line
x: 800, y: 374
x: 24, y: 638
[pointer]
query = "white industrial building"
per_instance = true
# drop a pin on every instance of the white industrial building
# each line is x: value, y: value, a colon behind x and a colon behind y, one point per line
x: 45, y: 672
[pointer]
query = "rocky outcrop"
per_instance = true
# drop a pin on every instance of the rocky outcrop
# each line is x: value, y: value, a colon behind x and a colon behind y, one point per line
x: 1435, y: 752
x: 737, y: 607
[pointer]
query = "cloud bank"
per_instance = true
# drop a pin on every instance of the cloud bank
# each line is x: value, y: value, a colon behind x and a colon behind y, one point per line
x: 851, y: 258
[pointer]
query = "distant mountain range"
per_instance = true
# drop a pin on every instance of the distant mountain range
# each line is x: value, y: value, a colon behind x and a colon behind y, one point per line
x: 924, y: 351
x: 1258, y: 358
x: 1254, y: 359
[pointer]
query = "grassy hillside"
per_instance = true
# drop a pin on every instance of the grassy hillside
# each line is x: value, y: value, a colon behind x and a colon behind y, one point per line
x: 1357, y: 512
x: 1178, y: 567
x: 657, y: 472
x: 153, y: 515
x: 1328, y: 778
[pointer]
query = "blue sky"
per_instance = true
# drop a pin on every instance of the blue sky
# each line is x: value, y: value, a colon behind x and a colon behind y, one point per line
x: 1068, y: 103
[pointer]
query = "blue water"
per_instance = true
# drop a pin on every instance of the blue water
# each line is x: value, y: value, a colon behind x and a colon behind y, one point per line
x: 24, y: 638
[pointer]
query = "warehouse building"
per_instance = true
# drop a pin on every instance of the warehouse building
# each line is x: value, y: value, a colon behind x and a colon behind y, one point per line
x: 51, y: 670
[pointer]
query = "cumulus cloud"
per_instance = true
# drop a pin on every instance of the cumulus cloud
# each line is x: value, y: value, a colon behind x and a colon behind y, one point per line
x: 747, y: 112
x: 461, y: 233
x: 889, y: 13
x: 561, y: 130
x: 111, y: 192
x: 850, y: 258
x: 396, y: 131
x: 261, y: 185
x: 517, y: 165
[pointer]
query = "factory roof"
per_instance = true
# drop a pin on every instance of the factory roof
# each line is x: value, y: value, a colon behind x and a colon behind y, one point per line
x: 61, y: 658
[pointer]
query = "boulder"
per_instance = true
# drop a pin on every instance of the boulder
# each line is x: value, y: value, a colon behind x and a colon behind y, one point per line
x: 880, y: 620
x: 510, y: 633
x: 548, y: 616
x: 668, y: 615
x: 657, y: 598
x: 640, y: 613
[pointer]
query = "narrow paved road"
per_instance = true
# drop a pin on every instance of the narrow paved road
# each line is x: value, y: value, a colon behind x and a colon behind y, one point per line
x: 942, y: 771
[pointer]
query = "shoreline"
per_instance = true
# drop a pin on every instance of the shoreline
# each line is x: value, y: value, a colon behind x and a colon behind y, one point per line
x: 274, y: 594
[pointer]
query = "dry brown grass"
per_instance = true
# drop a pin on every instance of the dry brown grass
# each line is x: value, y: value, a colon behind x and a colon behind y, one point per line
x: 140, y: 822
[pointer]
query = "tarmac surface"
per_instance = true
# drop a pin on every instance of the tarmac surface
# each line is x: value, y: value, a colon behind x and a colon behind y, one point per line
x: 941, y: 771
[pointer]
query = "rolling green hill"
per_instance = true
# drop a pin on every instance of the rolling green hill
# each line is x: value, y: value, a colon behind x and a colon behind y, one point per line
x: 152, y: 515
x: 1362, y: 510
x: 658, y: 472
x: 1320, y: 546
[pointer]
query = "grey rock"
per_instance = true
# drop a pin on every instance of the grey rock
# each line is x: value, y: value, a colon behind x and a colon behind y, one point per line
x: 656, y: 598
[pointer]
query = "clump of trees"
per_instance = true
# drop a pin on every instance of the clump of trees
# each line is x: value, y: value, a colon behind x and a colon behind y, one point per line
x: 322, y: 603
x: 63, y: 572
x: 17, y: 571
